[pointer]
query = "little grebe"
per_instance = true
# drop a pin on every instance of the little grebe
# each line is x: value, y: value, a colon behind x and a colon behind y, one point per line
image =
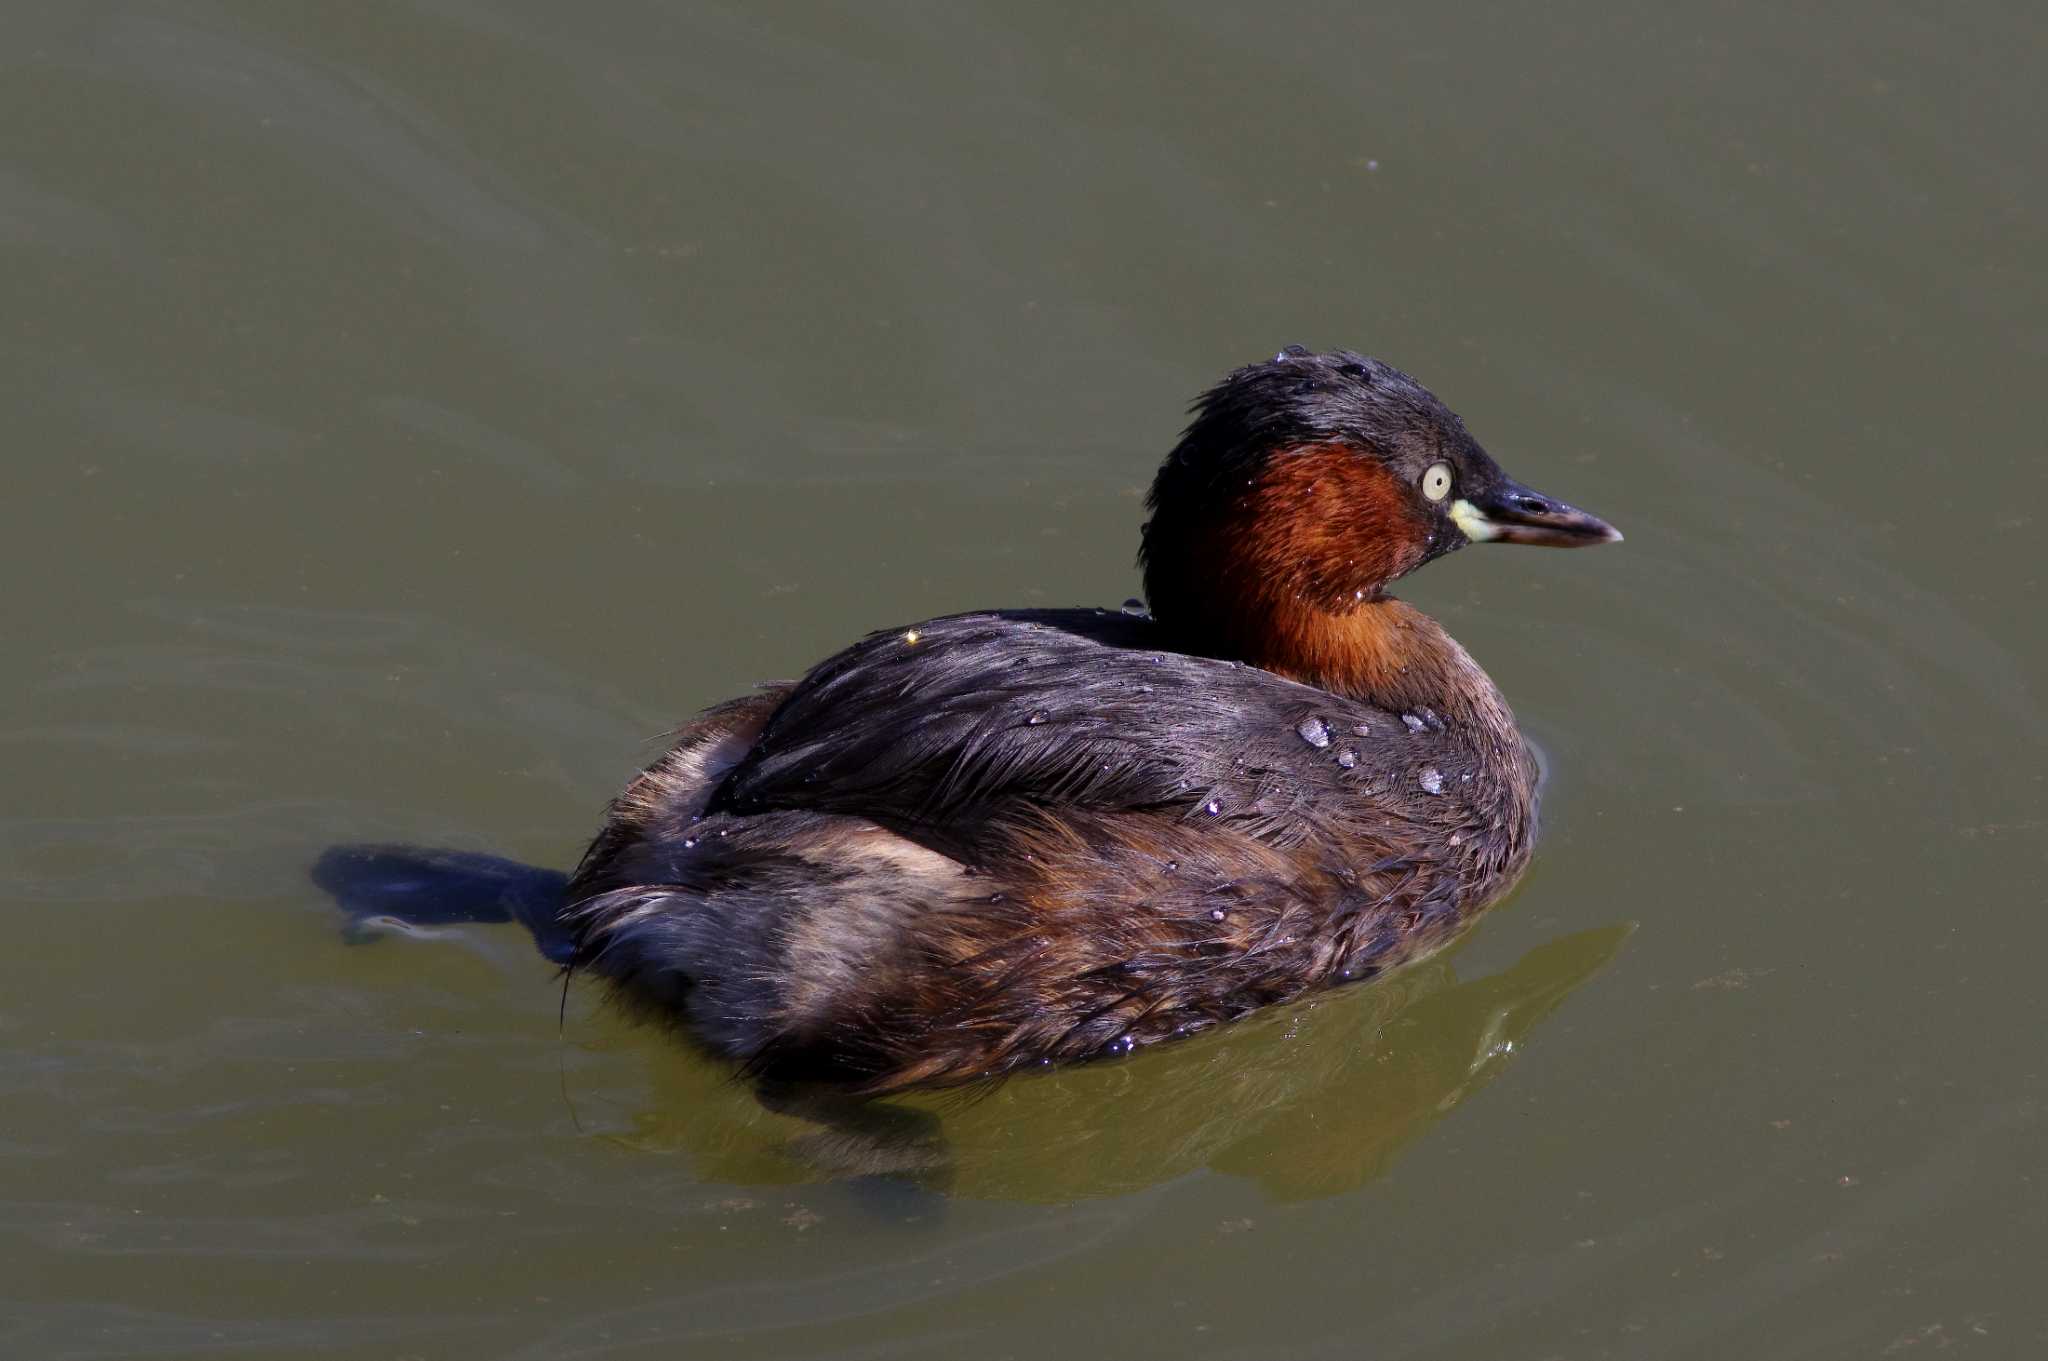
x: 1035, y: 836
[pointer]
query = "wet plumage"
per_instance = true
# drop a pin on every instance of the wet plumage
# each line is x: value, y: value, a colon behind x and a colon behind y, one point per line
x: 1001, y: 839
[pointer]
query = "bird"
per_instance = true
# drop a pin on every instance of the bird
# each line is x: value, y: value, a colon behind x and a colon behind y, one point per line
x: 1011, y: 839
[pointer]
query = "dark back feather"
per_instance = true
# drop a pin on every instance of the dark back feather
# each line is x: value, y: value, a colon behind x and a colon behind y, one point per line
x: 936, y: 731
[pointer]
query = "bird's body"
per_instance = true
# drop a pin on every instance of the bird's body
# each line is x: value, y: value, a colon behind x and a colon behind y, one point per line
x: 1015, y: 838
x: 1004, y: 839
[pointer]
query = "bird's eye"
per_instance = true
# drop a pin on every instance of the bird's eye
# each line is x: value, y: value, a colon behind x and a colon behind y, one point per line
x: 1436, y: 483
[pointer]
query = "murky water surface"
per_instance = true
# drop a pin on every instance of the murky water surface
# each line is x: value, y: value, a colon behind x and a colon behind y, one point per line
x: 415, y: 408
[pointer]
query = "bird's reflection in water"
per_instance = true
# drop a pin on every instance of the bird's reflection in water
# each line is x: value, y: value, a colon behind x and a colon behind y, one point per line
x: 1316, y: 1100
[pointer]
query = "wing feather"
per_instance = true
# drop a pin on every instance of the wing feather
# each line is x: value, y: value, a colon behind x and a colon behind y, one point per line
x: 937, y: 730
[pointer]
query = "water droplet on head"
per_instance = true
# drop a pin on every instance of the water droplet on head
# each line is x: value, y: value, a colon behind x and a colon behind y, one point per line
x: 1136, y: 608
x: 1314, y: 731
x: 1212, y: 807
x: 1036, y: 717
x: 910, y: 636
x: 1414, y: 724
x: 1347, y: 758
x: 1217, y: 914
x: 1432, y: 780
x: 689, y: 843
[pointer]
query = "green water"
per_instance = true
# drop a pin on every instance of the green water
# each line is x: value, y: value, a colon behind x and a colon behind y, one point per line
x: 414, y: 409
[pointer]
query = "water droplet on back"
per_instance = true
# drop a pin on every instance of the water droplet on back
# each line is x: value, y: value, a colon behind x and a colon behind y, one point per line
x: 1037, y: 717
x: 1414, y: 724
x: 1347, y: 758
x: 1314, y: 731
x: 1362, y: 729
x: 1136, y: 608
x: 1432, y: 780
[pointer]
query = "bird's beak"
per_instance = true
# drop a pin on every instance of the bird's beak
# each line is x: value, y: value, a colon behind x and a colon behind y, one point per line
x: 1511, y: 513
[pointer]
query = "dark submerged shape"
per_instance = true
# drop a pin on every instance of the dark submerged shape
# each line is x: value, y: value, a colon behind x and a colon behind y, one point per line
x: 1035, y: 836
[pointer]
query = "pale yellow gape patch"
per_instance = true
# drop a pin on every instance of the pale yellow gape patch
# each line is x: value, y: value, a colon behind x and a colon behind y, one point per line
x: 1472, y: 521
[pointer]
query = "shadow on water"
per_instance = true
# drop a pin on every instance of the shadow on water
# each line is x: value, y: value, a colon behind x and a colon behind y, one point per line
x: 1308, y: 1101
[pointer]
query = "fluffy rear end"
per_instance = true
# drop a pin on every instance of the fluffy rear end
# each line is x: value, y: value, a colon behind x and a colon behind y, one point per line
x: 771, y: 940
